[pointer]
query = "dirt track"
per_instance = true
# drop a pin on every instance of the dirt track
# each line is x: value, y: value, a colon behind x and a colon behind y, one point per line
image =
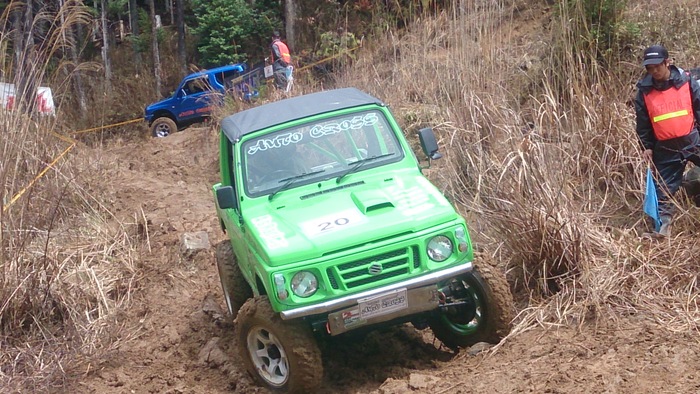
x: 174, y: 339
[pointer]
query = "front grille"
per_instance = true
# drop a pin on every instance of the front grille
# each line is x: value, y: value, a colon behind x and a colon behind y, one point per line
x: 356, y: 273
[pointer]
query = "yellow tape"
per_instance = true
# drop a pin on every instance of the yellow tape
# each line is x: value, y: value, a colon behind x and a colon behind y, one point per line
x: 21, y: 192
x: 327, y: 59
x: 108, y: 126
x: 71, y: 141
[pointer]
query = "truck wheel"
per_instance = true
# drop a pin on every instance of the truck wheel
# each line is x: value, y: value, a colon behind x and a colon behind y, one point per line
x: 236, y: 289
x: 281, y: 355
x: 163, y: 127
x: 483, y: 313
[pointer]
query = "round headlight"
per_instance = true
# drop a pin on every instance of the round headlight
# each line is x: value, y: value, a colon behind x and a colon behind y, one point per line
x: 304, y: 284
x: 439, y: 248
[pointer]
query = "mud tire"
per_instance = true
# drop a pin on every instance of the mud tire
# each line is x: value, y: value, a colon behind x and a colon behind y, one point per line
x: 489, y: 289
x: 235, y: 288
x: 163, y: 127
x: 264, y: 339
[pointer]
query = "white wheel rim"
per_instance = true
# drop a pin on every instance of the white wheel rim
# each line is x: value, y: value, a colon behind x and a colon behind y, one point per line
x: 268, y: 356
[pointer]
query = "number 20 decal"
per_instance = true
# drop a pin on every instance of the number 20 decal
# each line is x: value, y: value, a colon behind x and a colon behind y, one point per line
x: 330, y: 225
x: 334, y: 222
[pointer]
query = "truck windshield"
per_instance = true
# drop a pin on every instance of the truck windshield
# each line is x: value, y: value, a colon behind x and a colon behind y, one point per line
x: 322, y: 149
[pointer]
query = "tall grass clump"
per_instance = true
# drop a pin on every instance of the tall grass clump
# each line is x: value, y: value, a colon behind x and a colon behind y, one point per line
x: 66, y: 263
x: 531, y: 102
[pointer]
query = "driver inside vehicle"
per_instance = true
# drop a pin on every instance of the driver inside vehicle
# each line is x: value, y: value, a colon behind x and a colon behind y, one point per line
x: 272, y: 165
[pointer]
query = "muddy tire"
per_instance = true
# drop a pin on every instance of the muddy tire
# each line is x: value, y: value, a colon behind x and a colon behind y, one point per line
x: 236, y: 290
x: 486, y: 290
x: 163, y: 127
x: 280, y: 355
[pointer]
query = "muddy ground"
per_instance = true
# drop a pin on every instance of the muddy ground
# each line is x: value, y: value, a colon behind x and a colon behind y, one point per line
x: 174, y: 338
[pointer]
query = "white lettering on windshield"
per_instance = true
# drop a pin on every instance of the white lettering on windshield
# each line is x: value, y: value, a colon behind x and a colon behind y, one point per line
x: 357, y: 122
x: 274, y: 143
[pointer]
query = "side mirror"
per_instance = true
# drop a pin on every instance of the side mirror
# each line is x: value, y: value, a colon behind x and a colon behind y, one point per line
x: 226, y: 197
x: 429, y: 143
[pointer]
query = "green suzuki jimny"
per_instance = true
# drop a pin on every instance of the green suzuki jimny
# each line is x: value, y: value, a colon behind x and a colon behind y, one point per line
x: 332, y: 227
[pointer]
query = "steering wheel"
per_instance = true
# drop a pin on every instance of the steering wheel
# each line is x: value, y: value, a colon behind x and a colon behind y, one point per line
x: 277, y: 174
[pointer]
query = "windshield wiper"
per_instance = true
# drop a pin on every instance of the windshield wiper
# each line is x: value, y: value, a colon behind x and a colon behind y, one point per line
x: 288, y: 182
x: 358, y: 164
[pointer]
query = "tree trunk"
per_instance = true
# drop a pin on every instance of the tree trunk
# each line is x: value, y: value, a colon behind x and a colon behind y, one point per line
x: 70, y: 38
x: 154, y: 44
x: 105, y: 49
x: 134, y: 25
x: 77, y: 78
x: 25, y: 58
x: 181, y: 49
x: 169, y: 5
x: 290, y: 17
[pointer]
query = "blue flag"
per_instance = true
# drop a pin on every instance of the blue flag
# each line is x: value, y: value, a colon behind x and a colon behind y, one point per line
x: 651, y: 201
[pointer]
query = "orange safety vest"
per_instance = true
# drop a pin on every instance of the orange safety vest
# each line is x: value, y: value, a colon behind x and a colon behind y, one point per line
x: 670, y: 112
x: 284, y: 51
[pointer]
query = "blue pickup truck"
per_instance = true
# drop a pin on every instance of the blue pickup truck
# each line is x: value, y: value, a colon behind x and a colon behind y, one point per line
x: 196, y: 96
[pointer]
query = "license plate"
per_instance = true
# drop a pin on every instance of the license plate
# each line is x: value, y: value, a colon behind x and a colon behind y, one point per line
x: 383, y: 303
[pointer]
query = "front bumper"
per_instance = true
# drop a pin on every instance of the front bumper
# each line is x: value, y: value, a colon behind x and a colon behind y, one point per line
x: 352, y: 300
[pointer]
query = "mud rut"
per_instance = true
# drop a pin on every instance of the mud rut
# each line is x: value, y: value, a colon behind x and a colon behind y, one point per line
x: 176, y: 339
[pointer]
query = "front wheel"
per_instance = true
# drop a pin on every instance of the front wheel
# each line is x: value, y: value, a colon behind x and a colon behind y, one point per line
x: 163, y: 127
x: 478, y: 308
x: 281, y: 355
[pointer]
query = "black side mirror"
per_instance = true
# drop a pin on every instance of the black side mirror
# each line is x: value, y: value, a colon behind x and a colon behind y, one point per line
x: 429, y: 143
x: 226, y: 197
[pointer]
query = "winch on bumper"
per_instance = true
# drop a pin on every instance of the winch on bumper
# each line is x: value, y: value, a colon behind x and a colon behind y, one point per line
x: 402, y: 299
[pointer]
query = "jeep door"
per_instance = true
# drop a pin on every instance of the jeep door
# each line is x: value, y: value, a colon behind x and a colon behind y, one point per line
x: 195, y: 97
x: 236, y: 227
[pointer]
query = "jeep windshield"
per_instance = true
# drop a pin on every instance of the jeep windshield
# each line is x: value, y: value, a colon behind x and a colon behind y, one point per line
x: 319, y: 150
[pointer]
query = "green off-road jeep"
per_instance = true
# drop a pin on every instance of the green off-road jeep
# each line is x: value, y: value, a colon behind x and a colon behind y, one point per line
x: 332, y: 227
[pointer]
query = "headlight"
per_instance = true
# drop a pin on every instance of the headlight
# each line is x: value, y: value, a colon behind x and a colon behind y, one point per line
x: 461, y: 235
x: 439, y: 248
x: 304, y: 284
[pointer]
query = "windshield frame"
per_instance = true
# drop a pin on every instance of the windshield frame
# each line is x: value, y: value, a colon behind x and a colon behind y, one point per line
x: 347, y: 136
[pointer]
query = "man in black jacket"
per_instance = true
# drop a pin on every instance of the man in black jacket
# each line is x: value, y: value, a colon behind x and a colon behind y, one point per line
x: 668, y: 111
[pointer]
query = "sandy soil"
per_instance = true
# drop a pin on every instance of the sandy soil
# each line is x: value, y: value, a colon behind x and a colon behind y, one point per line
x: 175, y: 338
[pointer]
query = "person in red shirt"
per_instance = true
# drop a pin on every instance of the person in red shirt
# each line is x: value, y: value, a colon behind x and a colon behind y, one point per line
x: 667, y: 107
x: 281, y: 60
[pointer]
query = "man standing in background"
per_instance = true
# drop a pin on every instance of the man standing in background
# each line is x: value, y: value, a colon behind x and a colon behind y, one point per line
x: 668, y: 109
x: 281, y: 60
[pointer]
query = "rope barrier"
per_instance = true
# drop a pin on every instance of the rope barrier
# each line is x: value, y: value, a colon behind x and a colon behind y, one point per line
x: 327, y: 59
x: 41, y: 174
x: 73, y: 143
x: 108, y: 126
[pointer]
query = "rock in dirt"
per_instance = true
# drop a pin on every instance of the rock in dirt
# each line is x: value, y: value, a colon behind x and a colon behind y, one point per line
x: 478, y: 348
x: 212, y: 309
x: 393, y: 386
x: 422, y: 382
x: 211, y: 354
x: 191, y: 243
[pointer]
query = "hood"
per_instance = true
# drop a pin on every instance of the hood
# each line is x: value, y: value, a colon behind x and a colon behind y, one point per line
x: 165, y: 103
x: 309, y: 222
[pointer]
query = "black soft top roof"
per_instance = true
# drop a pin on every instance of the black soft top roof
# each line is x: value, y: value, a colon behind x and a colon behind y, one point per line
x: 239, y: 124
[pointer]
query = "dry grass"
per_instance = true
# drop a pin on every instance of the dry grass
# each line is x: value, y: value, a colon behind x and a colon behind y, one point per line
x: 67, y: 265
x: 543, y: 159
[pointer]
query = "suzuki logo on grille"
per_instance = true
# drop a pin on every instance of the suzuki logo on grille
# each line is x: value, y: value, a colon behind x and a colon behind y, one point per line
x: 375, y: 268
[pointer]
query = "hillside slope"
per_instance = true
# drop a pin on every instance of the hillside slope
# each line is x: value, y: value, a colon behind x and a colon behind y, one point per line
x: 174, y: 339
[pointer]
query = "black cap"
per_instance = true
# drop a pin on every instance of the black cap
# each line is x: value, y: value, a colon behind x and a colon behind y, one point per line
x: 655, y: 54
